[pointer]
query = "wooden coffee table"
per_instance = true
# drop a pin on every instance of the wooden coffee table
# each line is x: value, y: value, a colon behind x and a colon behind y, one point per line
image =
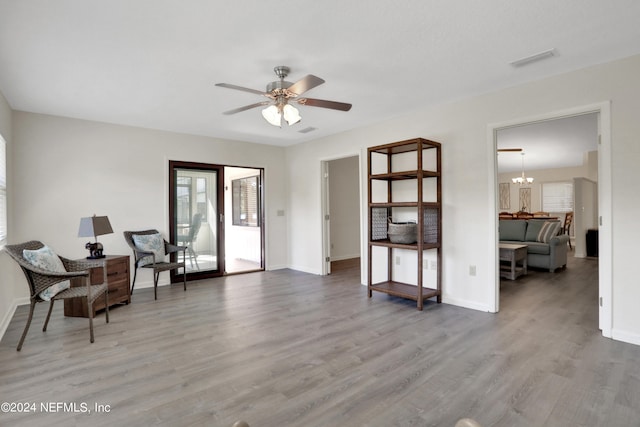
x: 510, y: 256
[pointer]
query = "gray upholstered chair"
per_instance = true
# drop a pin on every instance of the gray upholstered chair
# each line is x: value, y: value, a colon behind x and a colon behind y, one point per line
x: 155, y: 260
x: 41, y: 280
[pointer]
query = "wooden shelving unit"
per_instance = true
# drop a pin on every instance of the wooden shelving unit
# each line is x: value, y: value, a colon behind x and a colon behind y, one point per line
x: 412, y: 161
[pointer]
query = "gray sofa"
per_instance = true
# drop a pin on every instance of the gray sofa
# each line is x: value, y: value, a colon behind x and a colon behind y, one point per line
x: 550, y: 256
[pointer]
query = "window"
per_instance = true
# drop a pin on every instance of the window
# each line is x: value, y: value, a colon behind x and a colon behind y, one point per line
x: 201, y: 197
x: 183, y: 202
x: 557, y: 196
x: 3, y: 191
x: 245, y: 200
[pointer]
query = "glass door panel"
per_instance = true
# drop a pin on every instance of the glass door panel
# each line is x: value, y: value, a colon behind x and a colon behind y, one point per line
x: 196, y: 208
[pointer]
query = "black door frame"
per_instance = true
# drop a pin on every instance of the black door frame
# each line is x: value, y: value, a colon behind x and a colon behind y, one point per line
x: 206, y: 167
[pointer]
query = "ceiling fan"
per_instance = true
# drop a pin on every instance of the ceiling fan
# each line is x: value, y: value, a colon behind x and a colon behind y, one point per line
x: 281, y: 94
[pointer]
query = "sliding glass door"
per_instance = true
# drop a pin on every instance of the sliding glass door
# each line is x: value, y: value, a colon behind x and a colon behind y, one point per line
x: 196, y: 207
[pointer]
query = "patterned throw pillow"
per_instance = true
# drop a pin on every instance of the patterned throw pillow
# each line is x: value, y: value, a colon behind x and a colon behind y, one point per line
x: 150, y: 243
x: 548, y: 230
x: 46, y: 259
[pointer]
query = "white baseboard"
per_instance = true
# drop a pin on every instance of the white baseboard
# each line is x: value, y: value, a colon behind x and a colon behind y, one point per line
x: 305, y: 270
x: 625, y: 336
x: 343, y: 257
x: 9, y: 315
x: 473, y: 305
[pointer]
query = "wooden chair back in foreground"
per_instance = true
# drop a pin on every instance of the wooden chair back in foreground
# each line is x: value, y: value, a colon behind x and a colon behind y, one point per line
x: 44, y: 281
x: 149, y: 251
x: 568, y: 219
x: 523, y: 215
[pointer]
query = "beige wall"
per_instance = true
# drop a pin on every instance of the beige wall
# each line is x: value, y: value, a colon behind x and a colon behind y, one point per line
x: 540, y: 177
x: 469, y: 180
x: 79, y: 168
x: 8, y: 287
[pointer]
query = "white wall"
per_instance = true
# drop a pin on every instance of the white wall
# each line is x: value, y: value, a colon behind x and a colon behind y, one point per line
x: 469, y: 231
x: 73, y: 168
x: 8, y: 268
x: 539, y: 177
x: 344, y: 207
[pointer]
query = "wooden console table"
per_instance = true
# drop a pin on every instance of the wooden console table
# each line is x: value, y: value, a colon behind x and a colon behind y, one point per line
x: 512, y: 255
x: 118, y: 278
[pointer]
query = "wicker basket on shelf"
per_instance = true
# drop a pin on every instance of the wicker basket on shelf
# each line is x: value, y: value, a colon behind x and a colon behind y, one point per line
x: 402, y: 232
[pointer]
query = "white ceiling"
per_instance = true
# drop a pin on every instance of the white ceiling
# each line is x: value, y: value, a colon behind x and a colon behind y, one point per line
x: 154, y: 63
x: 548, y: 145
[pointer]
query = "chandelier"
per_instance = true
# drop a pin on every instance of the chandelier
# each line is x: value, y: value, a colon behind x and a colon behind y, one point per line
x: 522, y: 179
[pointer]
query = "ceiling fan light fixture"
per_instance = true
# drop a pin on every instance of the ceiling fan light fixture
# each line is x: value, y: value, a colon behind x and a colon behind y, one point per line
x: 291, y: 114
x: 272, y: 115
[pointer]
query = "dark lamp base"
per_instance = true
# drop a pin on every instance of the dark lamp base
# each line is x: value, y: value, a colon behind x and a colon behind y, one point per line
x: 96, y: 257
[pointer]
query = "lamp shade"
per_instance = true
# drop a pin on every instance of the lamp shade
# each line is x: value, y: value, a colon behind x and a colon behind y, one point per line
x: 272, y: 115
x: 291, y: 114
x: 94, y: 226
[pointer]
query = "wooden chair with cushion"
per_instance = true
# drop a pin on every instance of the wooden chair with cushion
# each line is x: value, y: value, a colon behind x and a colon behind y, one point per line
x: 48, y: 275
x: 149, y: 251
x: 568, y: 219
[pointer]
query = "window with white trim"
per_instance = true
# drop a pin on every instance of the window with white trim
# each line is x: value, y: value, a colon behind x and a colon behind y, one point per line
x: 557, y: 196
x: 3, y: 191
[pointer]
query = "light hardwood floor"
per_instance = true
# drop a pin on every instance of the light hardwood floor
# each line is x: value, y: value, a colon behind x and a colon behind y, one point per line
x: 285, y: 348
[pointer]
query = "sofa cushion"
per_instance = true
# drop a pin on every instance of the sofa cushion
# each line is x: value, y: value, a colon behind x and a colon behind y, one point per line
x: 513, y: 230
x: 538, y: 248
x: 533, y: 230
x: 548, y: 230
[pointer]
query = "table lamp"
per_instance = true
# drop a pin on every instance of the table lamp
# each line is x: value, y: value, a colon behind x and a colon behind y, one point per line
x: 94, y: 226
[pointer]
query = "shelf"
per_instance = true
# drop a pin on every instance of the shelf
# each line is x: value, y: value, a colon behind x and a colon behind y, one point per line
x: 397, y: 176
x: 412, y: 246
x: 387, y: 161
x: 404, y: 290
x: 403, y: 205
x: 405, y: 146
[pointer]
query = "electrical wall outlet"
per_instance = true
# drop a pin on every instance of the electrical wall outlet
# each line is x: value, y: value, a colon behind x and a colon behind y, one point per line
x: 397, y: 260
x: 472, y: 270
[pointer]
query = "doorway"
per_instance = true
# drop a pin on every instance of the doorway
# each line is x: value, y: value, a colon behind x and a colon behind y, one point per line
x: 216, y: 211
x: 196, y: 207
x: 604, y: 202
x: 341, y: 212
x: 244, y: 230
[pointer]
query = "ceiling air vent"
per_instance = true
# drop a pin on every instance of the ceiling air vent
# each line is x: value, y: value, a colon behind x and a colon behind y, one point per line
x: 308, y: 129
x: 533, y: 58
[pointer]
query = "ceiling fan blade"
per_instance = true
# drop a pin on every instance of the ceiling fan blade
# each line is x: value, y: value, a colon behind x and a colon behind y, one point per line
x: 246, y: 107
x: 304, y: 84
x: 312, y: 102
x: 509, y: 149
x: 244, y: 89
